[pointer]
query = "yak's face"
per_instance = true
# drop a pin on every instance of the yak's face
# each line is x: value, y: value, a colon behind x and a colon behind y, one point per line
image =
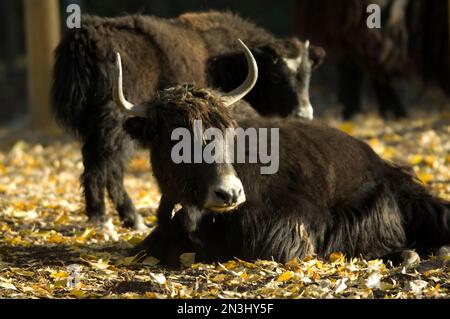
x: 285, y: 70
x: 177, y: 146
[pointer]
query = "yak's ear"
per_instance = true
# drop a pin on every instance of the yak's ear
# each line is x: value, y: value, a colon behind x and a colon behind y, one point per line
x: 317, y: 55
x: 136, y: 128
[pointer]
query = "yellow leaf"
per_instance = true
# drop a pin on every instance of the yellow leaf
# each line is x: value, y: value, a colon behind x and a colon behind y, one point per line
x: 150, y: 295
x: 218, y: 279
x: 425, y: 177
x: 230, y: 265
x: 100, y: 264
x: 416, y: 159
x: 88, y: 233
x: 140, y: 164
x: 337, y: 257
x: 78, y: 293
x: 127, y: 261
x: 150, y: 261
x: 152, y: 219
x: 430, y: 160
x: 347, y: 127
x: 55, y: 238
x: 187, y: 259
x: 389, y: 152
x: 447, y: 158
x: 247, y: 264
x: 59, y: 275
x: 62, y: 219
x: 319, y: 264
x: 134, y: 240
x: 23, y: 272
x: 293, y: 264
x: 285, y: 276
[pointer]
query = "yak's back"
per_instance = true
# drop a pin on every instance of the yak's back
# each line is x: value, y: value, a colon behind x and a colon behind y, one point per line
x: 318, y: 161
x: 221, y: 30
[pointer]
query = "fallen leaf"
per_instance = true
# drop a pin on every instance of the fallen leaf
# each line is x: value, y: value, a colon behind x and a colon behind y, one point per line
x: 287, y: 275
x: 159, y: 278
x: 78, y: 293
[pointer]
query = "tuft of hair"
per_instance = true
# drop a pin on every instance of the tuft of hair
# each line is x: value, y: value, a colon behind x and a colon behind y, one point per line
x: 193, y: 104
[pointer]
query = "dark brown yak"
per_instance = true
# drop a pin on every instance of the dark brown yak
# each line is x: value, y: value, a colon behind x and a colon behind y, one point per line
x: 413, y: 41
x: 332, y: 192
x: 160, y: 53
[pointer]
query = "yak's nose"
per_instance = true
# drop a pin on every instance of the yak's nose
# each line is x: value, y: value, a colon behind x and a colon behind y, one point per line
x: 226, y: 195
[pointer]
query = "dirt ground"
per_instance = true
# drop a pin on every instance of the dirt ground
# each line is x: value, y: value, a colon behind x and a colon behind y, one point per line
x: 48, y: 250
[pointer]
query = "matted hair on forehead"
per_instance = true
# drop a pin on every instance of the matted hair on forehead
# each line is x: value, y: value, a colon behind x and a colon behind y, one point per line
x: 195, y: 104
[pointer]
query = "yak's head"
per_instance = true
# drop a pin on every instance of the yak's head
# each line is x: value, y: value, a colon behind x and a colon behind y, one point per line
x: 285, y: 69
x: 183, y: 173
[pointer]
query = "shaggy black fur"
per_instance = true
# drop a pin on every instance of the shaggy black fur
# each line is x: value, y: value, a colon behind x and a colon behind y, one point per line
x: 157, y: 54
x: 331, y: 193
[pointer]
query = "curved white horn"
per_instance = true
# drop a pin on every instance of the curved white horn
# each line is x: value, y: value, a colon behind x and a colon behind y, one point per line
x: 119, y: 99
x: 239, y: 93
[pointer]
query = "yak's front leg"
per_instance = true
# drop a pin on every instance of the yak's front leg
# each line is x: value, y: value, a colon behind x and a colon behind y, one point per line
x: 165, y: 211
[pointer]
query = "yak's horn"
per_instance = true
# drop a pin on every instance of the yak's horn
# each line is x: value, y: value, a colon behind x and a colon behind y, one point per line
x: 119, y: 99
x: 239, y: 93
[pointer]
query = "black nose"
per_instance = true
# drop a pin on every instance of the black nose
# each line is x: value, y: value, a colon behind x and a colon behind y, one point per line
x: 228, y: 196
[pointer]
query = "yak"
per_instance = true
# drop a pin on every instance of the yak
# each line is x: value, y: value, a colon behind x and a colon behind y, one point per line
x: 332, y: 192
x: 413, y: 42
x: 160, y: 53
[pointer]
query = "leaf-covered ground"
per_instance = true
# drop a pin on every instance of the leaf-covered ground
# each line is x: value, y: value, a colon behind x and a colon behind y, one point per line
x: 48, y: 250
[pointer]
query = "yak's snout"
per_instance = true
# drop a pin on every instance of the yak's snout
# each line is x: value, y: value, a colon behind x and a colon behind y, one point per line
x: 226, y: 195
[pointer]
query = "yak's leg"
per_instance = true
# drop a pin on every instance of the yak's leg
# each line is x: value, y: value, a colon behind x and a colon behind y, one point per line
x: 165, y: 209
x: 387, y: 98
x: 350, y: 89
x: 168, y: 243
x: 94, y: 182
x: 119, y: 196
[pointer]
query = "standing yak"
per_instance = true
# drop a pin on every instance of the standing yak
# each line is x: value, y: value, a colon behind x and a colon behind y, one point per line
x: 197, y: 48
x: 413, y: 41
x: 332, y: 192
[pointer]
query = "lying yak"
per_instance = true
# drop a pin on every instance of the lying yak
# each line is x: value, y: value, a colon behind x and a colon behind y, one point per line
x: 159, y: 53
x: 332, y: 192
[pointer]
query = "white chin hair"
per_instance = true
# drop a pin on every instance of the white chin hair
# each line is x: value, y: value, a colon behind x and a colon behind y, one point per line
x: 307, y: 113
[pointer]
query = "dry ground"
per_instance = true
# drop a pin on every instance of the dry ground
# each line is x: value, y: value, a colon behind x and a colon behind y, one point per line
x: 47, y: 250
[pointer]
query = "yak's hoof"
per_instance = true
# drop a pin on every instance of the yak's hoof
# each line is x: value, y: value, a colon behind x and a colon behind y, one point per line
x: 105, y: 228
x: 410, y: 257
x: 136, y: 223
